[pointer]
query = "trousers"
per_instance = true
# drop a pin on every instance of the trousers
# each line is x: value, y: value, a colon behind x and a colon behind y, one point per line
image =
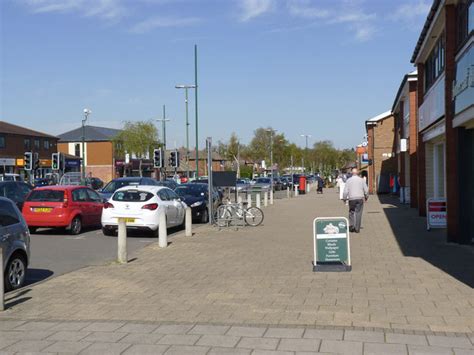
x: 355, y: 213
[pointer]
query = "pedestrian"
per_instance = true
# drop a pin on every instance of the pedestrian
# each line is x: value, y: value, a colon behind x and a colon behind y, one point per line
x: 320, y: 184
x: 356, y: 192
x: 342, y: 183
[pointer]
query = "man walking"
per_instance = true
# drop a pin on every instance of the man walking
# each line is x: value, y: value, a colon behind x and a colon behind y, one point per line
x: 356, y: 192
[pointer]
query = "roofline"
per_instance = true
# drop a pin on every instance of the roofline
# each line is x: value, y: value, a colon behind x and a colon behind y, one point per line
x: 426, y: 27
x: 41, y: 134
x: 406, y: 79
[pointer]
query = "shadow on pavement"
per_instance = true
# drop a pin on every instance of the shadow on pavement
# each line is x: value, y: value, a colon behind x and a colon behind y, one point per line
x: 415, y: 241
x: 36, y: 275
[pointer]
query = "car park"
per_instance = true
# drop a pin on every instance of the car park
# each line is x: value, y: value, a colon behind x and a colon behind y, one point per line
x: 70, y: 207
x: 196, y: 196
x: 15, y: 191
x: 116, y: 184
x: 140, y: 206
x: 15, y: 243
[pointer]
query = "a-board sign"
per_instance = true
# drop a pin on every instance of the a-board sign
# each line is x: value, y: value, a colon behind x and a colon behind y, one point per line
x: 436, y: 213
x: 331, y: 244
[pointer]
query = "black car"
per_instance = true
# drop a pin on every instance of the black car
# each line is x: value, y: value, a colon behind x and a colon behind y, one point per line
x: 15, y: 191
x: 277, y: 184
x: 115, y: 184
x: 196, y: 196
x: 168, y: 183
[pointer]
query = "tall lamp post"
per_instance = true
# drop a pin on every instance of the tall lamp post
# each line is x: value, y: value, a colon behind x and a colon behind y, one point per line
x: 87, y: 112
x: 186, y: 88
x: 272, y: 132
x: 306, y: 149
x: 163, y: 132
x: 196, y: 107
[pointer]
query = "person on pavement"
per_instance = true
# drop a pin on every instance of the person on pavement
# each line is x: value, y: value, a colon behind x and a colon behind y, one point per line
x: 356, y: 192
x: 320, y: 184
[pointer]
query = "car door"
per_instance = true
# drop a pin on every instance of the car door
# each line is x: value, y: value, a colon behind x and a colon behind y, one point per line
x: 81, y: 200
x: 178, y: 206
x: 165, y: 202
x: 172, y: 209
x: 12, y: 230
x: 96, y: 206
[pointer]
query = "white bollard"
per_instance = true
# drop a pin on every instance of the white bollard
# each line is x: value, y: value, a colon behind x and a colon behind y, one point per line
x: 188, y: 222
x: 287, y: 192
x: 296, y: 190
x: 265, y: 199
x: 308, y: 188
x: 122, y: 241
x: 271, y: 197
x: 239, y: 199
x: 257, y: 200
x: 162, y: 231
x: 249, y: 200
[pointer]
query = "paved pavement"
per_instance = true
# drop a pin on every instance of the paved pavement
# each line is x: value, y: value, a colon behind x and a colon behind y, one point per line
x: 408, y: 291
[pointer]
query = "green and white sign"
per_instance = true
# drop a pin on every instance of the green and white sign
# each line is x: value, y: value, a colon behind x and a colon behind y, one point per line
x: 331, y: 244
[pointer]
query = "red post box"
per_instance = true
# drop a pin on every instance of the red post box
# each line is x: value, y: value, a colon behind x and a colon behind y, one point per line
x: 302, y: 187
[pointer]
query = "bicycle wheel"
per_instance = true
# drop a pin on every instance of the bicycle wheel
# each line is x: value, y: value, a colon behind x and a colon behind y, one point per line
x: 222, y: 216
x: 253, y: 216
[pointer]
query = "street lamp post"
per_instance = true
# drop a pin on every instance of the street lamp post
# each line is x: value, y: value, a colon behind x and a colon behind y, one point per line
x: 306, y: 149
x: 163, y: 128
x: 87, y: 112
x: 186, y: 87
x: 272, y: 131
x: 196, y: 108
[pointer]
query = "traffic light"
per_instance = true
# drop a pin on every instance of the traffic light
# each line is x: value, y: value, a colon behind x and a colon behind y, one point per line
x: 28, y: 161
x: 55, y: 161
x: 36, y: 161
x: 174, y: 159
x: 158, y: 158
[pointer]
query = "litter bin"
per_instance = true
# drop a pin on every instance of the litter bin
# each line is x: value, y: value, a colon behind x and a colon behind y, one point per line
x: 302, y: 187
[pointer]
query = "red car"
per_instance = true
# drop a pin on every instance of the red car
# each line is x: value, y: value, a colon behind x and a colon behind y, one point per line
x: 71, y: 207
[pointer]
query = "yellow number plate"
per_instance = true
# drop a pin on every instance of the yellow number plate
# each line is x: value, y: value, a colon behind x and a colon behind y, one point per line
x: 42, y: 210
x: 127, y: 220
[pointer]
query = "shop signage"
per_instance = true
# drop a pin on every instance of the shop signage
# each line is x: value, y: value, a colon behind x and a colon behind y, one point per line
x: 436, y: 213
x: 463, y: 85
x: 433, y: 105
x: 119, y: 162
x: 45, y: 162
x: 331, y: 244
x: 7, y: 161
x: 20, y: 162
x: 365, y: 158
x: 434, y: 132
x: 73, y: 163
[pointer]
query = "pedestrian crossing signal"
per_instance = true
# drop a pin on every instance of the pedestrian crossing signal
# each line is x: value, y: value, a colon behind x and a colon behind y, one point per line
x: 55, y: 161
x: 28, y: 161
x: 158, y: 159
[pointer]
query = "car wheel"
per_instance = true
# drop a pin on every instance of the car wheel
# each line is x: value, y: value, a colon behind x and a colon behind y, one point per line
x: 15, y: 273
x: 108, y: 232
x: 32, y: 230
x: 76, y: 226
x: 205, y: 216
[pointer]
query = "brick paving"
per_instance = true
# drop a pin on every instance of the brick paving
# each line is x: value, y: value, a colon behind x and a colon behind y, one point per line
x: 253, y: 291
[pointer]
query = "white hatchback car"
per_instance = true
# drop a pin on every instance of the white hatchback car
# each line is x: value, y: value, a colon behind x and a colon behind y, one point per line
x: 140, y: 206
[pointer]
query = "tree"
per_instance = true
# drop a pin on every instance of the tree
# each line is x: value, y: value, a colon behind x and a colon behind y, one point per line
x: 137, y: 138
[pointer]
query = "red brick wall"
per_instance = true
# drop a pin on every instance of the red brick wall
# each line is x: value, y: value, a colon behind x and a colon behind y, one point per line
x: 413, y: 144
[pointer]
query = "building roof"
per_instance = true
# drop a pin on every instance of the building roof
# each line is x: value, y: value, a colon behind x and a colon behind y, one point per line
x: 413, y: 76
x: 92, y: 133
x: 380, y: 117
x: 426, y: 27
x: 10, y: 128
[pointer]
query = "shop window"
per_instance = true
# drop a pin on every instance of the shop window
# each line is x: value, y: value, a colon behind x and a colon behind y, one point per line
x: 27, y: 144
x: 46, y: 144
x: 2, y: 142
x: 77, y: 150
x: 464, y: 21
x: 37, y: 144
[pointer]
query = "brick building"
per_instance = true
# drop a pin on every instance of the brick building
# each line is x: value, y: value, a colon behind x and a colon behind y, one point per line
x: 99, y: 153
x: 16, y: 140
x: 381, y: 150
x: 444, y: 56
x: 405, y: 111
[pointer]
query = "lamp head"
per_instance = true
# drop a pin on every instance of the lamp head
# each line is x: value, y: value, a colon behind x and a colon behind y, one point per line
x: 87, y: 111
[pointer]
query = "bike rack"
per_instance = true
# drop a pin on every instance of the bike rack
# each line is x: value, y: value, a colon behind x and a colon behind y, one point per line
x: 231, y: 219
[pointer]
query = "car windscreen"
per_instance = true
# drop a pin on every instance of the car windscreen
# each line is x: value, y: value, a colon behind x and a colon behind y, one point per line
x: 46, y: 196
x: 263, y: 181
x: 195, y: 191
x: 132, y: 196
x: 241, y: 182
x: 117, y: 184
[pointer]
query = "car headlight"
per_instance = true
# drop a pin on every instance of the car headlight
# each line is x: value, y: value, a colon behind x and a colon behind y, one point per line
x: 195, y: 204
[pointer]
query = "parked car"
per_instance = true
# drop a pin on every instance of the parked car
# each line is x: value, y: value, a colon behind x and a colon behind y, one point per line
x: 285, y: 182
x: 94, y: 183
x: 141, y: 206
x: 10, y: 177
x: 15, y: 242
x: 263, y: 183
x: 277, y: 184
x: 171, y: 184
x: 71, y: 207
x: 241, y: 185
x: 15, y: 191
x: 196, y: 196
x: 116, y: 184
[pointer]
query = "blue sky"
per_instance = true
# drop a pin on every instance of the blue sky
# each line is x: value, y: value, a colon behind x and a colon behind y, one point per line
x: 318, y: 67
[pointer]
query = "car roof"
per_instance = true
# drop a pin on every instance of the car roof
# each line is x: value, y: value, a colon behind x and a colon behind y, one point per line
x: 130, y: 178
x: 60, y: 187
x: 148, y: 188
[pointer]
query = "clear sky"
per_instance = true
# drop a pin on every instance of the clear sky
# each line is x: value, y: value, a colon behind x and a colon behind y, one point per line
x: 318, y: 67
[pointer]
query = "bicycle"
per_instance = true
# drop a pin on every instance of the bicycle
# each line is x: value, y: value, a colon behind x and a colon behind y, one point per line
x: 232, y: 212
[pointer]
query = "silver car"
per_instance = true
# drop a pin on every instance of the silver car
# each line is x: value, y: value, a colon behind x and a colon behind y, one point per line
x: 15, y: 242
